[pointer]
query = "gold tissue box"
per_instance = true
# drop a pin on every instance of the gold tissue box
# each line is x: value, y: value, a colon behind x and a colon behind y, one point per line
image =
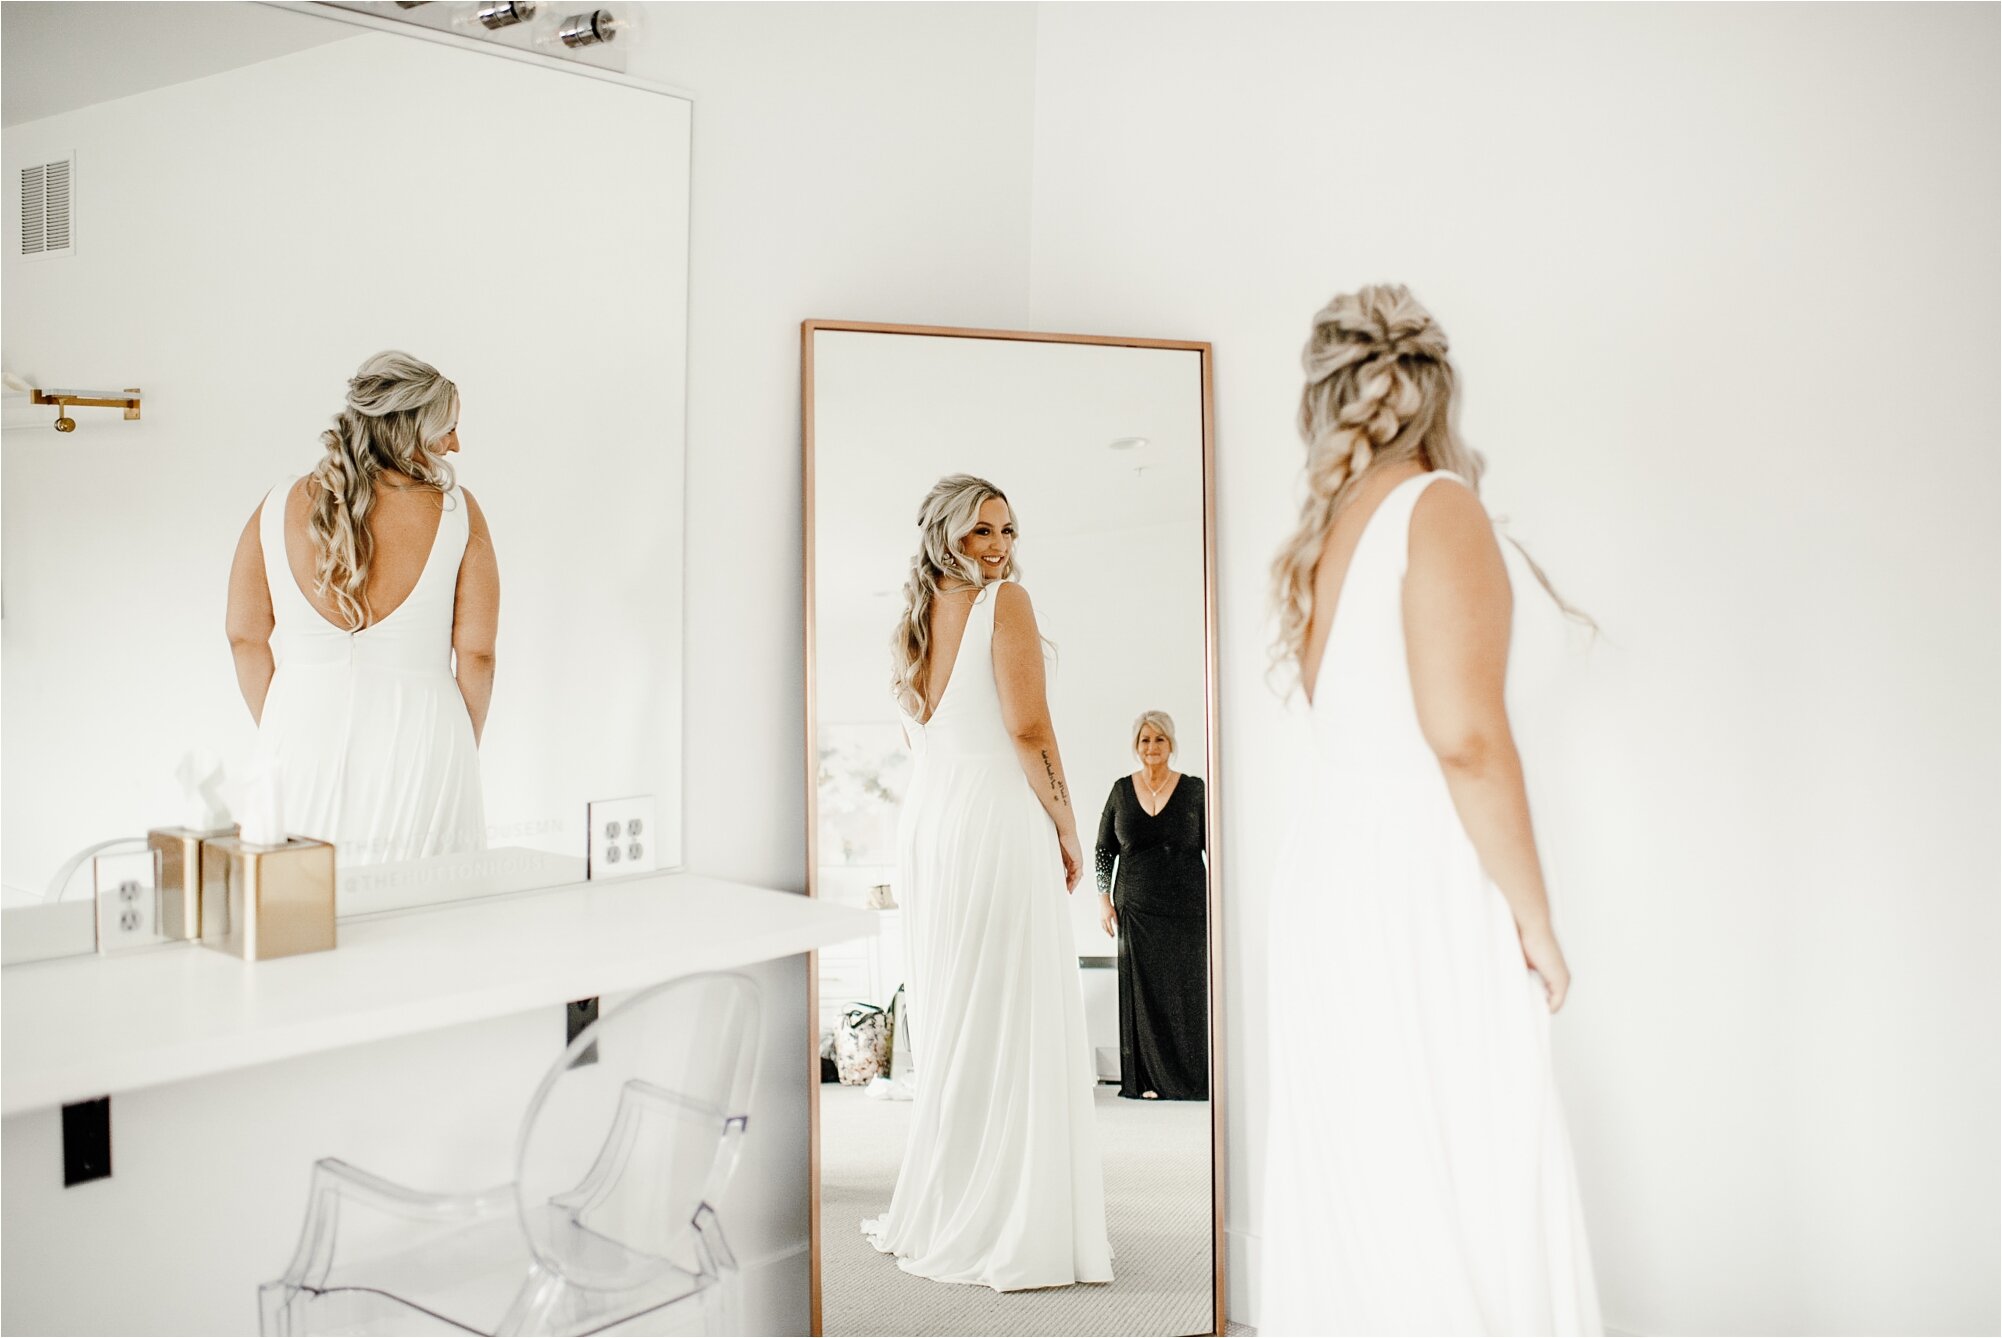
x: 261, y: 902
x: 181, y: 877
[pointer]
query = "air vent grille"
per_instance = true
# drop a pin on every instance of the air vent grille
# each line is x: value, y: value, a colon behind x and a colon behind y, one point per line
x: 46, y: 211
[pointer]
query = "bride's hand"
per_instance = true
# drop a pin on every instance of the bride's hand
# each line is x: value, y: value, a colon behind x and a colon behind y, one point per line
x: 1542, y: 955
x: 1073, y: 859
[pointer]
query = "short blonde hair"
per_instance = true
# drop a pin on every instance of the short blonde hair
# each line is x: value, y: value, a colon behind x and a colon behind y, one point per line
x: 1159, y: 720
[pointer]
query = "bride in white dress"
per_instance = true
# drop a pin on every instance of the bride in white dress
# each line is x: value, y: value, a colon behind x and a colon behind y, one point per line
x: 1000, y: 1183
x: 363, y: 604
x: 1418, y: 1173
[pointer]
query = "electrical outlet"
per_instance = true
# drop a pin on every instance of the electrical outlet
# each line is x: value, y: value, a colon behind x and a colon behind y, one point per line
x: 622, y: 837
x: 86, y: 1141
x: 127, y: 886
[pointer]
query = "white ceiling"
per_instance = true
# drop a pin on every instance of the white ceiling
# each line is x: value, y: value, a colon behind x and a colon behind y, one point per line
x: 59, y: 55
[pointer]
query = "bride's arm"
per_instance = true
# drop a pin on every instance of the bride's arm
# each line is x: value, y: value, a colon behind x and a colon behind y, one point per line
x: 1457, y: 607
x: 1025, y: 710
x: 476, y: 618
x: 248, y: 622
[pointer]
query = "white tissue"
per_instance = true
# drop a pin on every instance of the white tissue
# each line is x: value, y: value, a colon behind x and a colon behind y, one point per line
x: 203, y: 807
x: 260, y: 806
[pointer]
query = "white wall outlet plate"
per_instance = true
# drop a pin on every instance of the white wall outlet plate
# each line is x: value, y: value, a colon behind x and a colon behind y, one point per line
x: 623, y: 837
x: 127, y: 885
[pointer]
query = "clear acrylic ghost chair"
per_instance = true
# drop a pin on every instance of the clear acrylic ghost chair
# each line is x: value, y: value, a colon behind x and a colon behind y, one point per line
x: 610, y: 1224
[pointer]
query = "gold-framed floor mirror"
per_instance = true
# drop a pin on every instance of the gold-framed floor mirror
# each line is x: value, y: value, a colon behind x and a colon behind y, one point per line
x: 1011, y: 757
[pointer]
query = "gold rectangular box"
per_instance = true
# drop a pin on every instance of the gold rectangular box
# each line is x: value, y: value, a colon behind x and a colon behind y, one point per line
x: 261, y: 902
x: 181, y: 878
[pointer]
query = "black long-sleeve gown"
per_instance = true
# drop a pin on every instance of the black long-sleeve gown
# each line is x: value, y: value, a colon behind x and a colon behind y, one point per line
x: 1162, y: 901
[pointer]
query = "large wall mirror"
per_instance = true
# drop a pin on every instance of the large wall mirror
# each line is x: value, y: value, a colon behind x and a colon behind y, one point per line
x: 252, y: 200
x: 1015, y: 1084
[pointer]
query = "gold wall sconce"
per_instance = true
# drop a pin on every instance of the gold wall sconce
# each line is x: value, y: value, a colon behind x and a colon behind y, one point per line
x: 126, y: 399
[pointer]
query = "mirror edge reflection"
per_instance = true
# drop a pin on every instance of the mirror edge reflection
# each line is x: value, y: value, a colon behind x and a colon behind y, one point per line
x: 1212, y: 740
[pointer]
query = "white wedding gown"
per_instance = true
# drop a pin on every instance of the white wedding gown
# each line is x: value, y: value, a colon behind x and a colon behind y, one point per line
x: 1001, y: 1182
x: 1418, y: 1175
x: 368, y: 730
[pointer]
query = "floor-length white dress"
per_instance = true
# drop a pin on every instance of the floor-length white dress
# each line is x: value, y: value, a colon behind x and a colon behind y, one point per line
x: 368, y: 730
x: 1001, y: 1182
x: 1418, y: 1174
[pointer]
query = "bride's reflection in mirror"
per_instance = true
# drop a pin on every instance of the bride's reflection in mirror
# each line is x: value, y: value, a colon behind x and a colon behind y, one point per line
x: 1001, y: 1181
x: 364, y: 604
x: 124, y: 710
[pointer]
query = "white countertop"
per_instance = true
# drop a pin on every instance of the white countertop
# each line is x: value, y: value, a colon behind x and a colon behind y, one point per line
x: 83, y: 1027
x: 36, y: 930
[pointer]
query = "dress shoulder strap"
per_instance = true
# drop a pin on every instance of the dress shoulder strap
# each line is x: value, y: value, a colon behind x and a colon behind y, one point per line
x: 457, y: 513
x: 271, y: 525
x: 984, y: 605
x: 455, y: 531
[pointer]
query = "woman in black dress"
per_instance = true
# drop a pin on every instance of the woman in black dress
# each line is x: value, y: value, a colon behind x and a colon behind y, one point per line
x: 1157, y: 903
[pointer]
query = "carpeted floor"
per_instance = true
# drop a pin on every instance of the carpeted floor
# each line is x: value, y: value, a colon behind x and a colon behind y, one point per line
x: 1157, y: 1192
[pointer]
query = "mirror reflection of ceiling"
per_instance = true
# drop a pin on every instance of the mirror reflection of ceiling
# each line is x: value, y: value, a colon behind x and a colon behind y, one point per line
x: 58, y: 55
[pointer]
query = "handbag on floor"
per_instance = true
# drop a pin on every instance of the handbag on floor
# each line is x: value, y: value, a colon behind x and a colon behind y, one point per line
x: 862, y: 1044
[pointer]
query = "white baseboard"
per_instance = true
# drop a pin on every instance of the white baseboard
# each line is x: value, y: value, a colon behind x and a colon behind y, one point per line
x: 1241, y: 1274
x: 774, y: 1292
x: 1240, y: 1262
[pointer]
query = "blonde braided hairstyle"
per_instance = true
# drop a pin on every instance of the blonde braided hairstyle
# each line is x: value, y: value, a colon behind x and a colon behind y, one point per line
x: 397, y: 408
x: 1379, y: 392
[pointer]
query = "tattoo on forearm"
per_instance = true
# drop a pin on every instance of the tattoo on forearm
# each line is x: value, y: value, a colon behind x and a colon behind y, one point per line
x: 1056, y: 786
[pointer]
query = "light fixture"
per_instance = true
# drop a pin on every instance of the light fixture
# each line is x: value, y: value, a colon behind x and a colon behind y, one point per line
x: 497, y: 14
x: 591, y: 27
x: 600, y: 38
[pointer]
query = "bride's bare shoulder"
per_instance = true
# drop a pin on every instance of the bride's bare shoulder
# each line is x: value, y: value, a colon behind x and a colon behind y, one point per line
x: 1013, y: 613
x: 1451, y: 527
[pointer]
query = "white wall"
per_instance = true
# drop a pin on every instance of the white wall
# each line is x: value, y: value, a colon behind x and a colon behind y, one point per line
x: 865, y: 162
x: 1722, y: 284
x: 244, y: 240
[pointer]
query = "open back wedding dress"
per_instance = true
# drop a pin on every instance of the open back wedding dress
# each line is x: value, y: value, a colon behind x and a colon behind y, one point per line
x: 1001, y: 1182
x: 368, y: 730
x: 1418, y: 1173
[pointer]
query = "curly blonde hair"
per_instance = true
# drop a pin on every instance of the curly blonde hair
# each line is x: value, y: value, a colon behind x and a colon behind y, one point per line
x: 1379, y: 392
x: 947, y: 515
x: 397, y: 408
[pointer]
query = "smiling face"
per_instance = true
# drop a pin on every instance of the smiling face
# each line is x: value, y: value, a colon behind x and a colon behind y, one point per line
x: 1153, y: 747
x: 991, y: 544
